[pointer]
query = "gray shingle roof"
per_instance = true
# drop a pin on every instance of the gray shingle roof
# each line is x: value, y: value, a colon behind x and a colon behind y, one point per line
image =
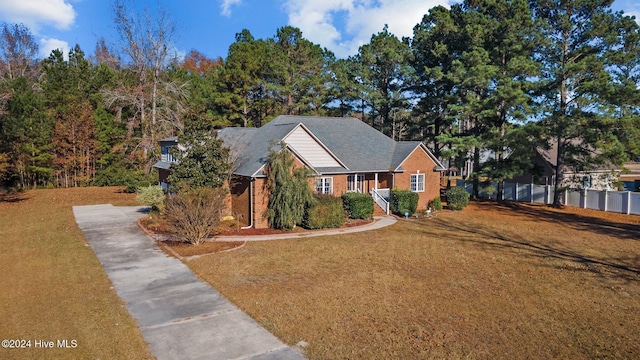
x: 358, y: 146
x: 162, y: 165
x: 402, y: 150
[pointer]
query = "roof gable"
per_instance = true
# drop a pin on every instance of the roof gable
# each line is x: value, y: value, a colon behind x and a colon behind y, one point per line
x: 357, y: 145
x: 404, y: 149
x: 309, y: 148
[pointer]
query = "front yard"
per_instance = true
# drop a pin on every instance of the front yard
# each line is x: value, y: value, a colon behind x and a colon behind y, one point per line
x: 52, y: 287
x: 517, y: 281
x: 491, y: 281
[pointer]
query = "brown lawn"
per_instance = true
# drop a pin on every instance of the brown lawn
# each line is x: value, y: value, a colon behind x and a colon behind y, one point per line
x: 491, y: 281
x: 52, y: 286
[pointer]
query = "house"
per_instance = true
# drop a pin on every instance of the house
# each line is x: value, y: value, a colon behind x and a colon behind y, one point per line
x: 544, y: 167
x: 630, y: 176
x: 343, y: 154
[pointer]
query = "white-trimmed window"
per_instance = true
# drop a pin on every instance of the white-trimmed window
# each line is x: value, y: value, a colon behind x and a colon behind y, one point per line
x: 324, y: 185
x: 355, y: 183
x: 417, y: 182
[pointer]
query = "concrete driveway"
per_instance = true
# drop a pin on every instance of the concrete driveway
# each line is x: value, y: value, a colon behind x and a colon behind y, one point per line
x: 180, y: 316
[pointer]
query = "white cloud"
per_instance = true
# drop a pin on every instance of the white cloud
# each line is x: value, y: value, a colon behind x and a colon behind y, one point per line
x: 36, y: 13
x: 318, y: 20
x: 226, y: 6
x: 47, y: 45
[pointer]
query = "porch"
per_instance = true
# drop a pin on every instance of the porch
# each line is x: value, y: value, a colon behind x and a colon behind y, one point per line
x: 378, y: 185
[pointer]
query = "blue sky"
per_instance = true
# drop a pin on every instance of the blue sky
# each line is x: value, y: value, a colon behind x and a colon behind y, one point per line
x: 209, y: 26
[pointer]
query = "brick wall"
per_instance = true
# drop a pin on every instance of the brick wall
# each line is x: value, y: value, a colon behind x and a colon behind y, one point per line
x: 419, y: 161
x: 260, y: 202
x: 240, y: 198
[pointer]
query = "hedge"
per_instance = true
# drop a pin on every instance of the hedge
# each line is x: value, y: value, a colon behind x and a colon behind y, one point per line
x: 358, y: 205
x: 402, y: 201
x: 325, y: 212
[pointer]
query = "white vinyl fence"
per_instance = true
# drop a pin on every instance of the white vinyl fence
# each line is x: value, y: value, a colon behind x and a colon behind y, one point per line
x: 625, y: 202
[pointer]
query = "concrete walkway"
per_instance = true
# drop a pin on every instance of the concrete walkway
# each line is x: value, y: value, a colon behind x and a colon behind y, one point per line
x: 180, y: 316
x: 380, y: 222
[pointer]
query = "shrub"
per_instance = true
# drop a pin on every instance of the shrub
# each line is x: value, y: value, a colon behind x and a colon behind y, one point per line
x: 194, y: 213
x: 435, y: 204
x: 289, y: 193
x: 151, y: 195
x: 402, y: 201
x: 325, y: 212
x: 358, y: 205
x: 120, y: 175
x: 457, y: 198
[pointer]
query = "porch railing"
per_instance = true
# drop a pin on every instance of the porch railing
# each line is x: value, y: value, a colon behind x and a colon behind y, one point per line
x: 380, y: 198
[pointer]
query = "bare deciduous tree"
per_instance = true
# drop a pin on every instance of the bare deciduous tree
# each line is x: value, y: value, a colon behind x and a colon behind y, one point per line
x: 195, y: 213
x: 156, y: 101
x: 18, y: 52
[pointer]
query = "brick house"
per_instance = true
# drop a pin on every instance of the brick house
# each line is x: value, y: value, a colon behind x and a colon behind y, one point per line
x: 543, y: 172
x: 343, y: 154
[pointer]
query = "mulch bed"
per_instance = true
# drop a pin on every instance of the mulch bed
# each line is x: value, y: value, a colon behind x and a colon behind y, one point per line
x: 167, y: 240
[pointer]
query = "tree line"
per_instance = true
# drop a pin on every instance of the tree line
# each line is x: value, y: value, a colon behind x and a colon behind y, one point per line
x: 502, y: 76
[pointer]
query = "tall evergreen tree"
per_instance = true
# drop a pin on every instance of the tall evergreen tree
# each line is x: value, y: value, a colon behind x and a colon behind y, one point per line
x: 510, y: 36
x: 240, y: 91
x: 25, y: 136
x: 344, y: 89
x: 623, y: 64
x: 69, y: 87
x: 384, y: 75
x: 574, y: 82
x: 297, y: 73
x: 437, y: 46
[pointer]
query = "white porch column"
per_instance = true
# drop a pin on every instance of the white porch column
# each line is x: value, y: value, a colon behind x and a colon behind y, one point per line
x: 375, y: 182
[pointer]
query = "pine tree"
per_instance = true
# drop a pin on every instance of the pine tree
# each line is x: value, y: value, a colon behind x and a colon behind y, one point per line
x: 69, y: 87
x: 623, y: 64
x: 25, y: 136
x: 574, y: 82
x: 437, y: 44
x: 239, y: 96
x: 384, y: 75
x: 510, y: 36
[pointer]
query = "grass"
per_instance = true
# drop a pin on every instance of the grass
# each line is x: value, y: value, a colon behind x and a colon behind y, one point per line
x: 52, y: 285
x: 183, y: 249
x: 515, y: 281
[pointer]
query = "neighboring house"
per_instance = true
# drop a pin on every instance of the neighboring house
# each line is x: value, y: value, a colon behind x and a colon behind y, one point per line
x: 165, y: 160
x: 343, y: 155
x: 630, y: 176
x: 544, y: 173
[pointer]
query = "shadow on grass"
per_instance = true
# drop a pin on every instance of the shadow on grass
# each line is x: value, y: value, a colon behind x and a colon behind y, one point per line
x: 622, y: 267
x: 13, y: 198
x: 575, y: 221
